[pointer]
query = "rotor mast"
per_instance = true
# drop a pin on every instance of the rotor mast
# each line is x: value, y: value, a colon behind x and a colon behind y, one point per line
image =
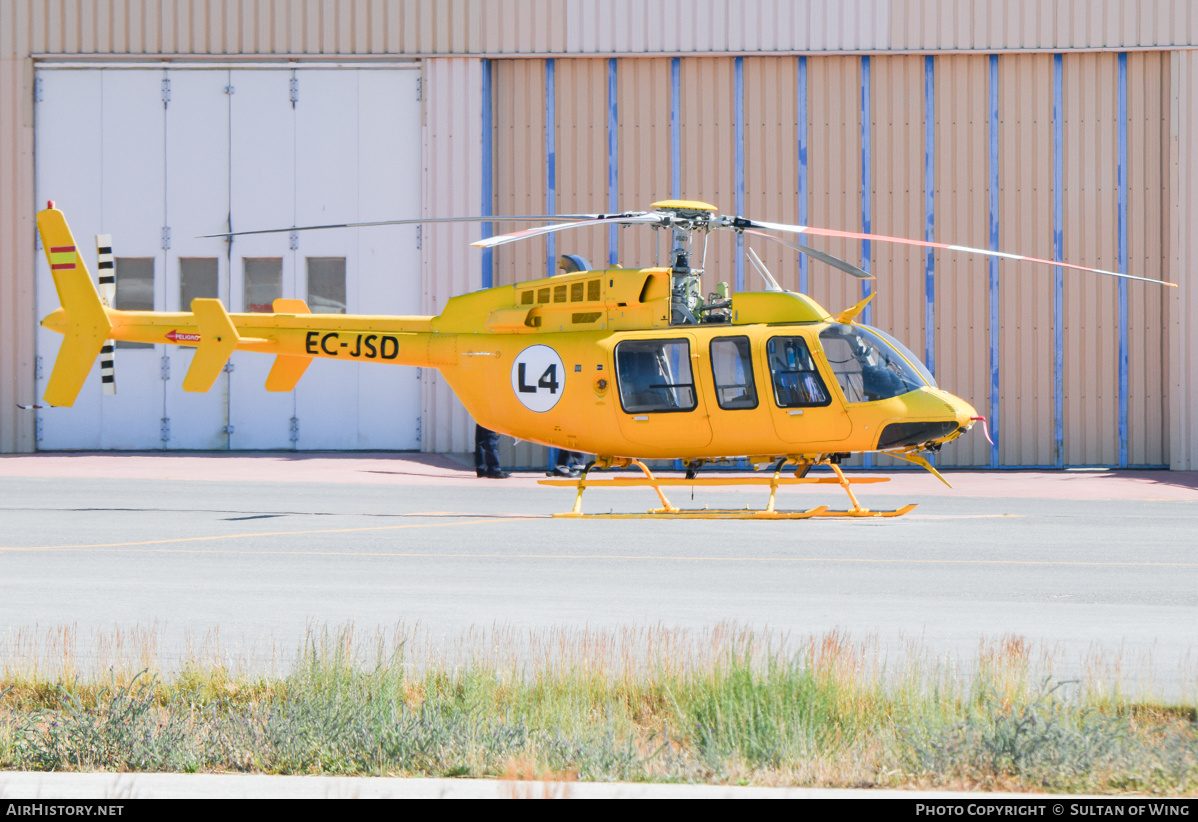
x: 685, y: 217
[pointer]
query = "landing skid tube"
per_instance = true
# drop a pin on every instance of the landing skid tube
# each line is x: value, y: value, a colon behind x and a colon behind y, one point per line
x: 769, y: 512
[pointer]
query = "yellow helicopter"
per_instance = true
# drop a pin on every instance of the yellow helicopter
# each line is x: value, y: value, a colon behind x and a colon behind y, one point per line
x: 627, y: 364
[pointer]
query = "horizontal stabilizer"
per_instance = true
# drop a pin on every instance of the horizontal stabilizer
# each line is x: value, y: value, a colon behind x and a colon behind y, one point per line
x: 286, y: 372
x: 288, y: 369
x: 79, y: 350
x: 218, y: 339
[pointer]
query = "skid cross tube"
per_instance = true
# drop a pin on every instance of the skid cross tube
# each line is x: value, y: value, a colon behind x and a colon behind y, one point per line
x: 773, y: 482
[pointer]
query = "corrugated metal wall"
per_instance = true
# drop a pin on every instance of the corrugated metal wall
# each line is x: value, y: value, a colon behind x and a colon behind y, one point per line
x: 17, y: 321
x: 598, y: 27
x: 1149, y: 394
x: 453, y: 180
x: 1025, y: 219
x: 992, y: 181
x: 1182, y: 254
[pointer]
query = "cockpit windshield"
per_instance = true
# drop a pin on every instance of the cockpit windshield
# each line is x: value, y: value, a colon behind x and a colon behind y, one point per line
x: 866, y: 366
x: 912, y: 360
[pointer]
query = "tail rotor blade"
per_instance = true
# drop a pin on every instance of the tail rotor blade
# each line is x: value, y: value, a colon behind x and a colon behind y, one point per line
x: 108, y: 367
x: 106, y: 271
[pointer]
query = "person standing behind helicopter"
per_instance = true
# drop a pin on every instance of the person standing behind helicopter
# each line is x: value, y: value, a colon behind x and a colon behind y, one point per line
x: 565, y: 464
x: 486, y: 454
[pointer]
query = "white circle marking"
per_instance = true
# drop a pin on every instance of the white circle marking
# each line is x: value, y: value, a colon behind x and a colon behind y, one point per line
x: 538, y: 378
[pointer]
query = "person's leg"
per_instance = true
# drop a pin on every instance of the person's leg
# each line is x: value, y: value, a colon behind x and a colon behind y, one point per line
x: 480, y: 464
x: 486, y: 454
x: 492, y: 451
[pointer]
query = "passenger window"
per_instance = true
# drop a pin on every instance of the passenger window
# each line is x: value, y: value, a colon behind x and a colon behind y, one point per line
x: 732, y: 368
x: 796, y: 382
x: 655, y: 376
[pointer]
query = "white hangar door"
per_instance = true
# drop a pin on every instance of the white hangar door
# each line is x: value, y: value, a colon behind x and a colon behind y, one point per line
x: 99, y: 156
x: 175, y: 154
x: 313, y: 147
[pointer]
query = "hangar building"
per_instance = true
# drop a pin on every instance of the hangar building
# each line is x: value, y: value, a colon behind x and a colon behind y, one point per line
x: 1055, y: 128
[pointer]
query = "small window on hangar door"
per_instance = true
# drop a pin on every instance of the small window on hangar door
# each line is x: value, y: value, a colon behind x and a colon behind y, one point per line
x: 263, y: 283
x: 134, y: 289
x: 326, y: 285
x: 197, y: 279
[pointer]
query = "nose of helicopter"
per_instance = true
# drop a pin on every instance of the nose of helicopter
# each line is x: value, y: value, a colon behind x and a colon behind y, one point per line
x: 965, y: 413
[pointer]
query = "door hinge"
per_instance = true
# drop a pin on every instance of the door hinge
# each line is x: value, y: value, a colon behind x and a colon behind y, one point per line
x: 38, y: 430
x: 294, y: 89
x: 228, y: 369
x: 166, y: 91
x: 230, y: 90
x: 38, y: 90
x: 166, y: 238
x: 37, y: 241
x: 228, y: 429
x: 165, y: 367
x: 38, y: 374
x: 419, y: 88
x: 295, y: 429
x: 294, y: 240
x: 419, y: 372
x: 419, y: 236
x: 166, y: 429
x: 419, y: 429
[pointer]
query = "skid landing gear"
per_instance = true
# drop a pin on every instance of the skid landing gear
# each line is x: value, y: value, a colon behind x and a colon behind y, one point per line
x: 769, y: 512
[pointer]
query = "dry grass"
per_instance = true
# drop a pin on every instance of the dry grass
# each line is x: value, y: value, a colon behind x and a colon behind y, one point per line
x: 651, y: 703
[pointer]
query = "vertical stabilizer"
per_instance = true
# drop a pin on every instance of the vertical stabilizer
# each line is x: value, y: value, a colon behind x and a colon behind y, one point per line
x: 83, y: 318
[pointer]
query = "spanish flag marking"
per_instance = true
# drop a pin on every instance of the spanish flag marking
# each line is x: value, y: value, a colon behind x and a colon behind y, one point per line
x: 62, y: 256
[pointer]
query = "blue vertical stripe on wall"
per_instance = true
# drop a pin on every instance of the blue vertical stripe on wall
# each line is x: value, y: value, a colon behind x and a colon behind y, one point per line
x: 866, y: 188
x: 613, y: 162
x: 1122, y: 180
x: 675, y: 147
x: 994, y: 292
x: 550, y: 192
x: 739, y: 105
x: 929, y: 204
x: 866, y: 206
x: 550, y: 166
x: 802, y: 129
x: 1058, y: 281
x: 488, y: 264
x: 675, y: 129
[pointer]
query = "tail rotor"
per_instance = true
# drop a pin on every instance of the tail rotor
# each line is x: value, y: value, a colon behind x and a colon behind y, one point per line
x: 106, y: 270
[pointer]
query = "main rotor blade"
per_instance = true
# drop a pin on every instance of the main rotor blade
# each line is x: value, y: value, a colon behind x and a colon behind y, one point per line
x: 815, y: 254
x: 493, y: 218
x: 603, y: 219
x: 742, y: 223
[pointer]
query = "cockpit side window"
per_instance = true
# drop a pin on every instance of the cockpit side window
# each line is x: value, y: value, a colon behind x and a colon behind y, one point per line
x: 866, y: 368
x: 797, y: 383
x: 655, y: 376
x: 732, y: 368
